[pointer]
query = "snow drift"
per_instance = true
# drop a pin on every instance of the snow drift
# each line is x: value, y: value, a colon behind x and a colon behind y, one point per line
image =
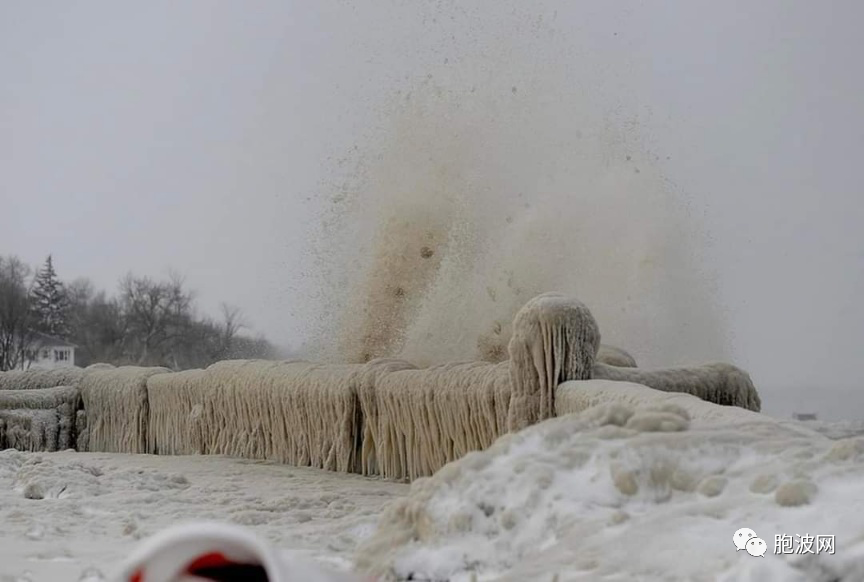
x: 646, y: 485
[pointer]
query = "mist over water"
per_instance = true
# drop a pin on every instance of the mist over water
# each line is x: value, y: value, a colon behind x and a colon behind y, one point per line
x: 475, y: 193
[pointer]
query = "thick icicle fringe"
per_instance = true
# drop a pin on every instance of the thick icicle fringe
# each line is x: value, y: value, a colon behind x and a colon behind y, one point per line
x: 82, y: 441
x: 240, y: 417
x: 717, y: 383
x: 64, y: 401
x: 375, y: 439
x: 429, y: 417
x: 117, y: 408
x: 293, y: 412
x: 385, y: 417
x: 39, y: 398
x: 176, y: 413
x: 555, y: 339
x: 613, y: 356
x: 29, y: 430
x: 35, y: 379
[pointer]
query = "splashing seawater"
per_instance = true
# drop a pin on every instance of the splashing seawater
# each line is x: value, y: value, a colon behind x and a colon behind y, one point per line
x: 474, y: 195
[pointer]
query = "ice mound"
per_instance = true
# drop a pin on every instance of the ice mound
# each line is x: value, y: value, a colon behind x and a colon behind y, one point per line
x: 644, y: 489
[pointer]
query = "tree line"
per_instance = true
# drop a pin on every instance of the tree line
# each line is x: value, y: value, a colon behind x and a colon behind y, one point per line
x: 148, y: 322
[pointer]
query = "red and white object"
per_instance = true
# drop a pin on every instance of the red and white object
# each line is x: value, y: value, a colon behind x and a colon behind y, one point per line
x: 219, y: 552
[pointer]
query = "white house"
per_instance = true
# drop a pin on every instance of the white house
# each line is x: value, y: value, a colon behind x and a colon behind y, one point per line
x: 804, y: 415
x: 49, y: 352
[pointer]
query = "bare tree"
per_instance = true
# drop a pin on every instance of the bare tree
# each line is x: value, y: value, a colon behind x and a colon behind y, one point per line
x: 153, y: 322
x: 232, y: 322
x: 16, y: 317
x: 157, y: 315
x: 80, y: 292
x: 96, y: 325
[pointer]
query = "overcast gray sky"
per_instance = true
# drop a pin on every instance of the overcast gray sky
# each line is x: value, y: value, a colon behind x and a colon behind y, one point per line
x: 202, y: 136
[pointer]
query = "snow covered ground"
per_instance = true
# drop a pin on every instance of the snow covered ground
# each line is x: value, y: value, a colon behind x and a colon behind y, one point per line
x: 841, y: 429
x: 74, y: 516
x: 636, y: 492
x: 581, y: 497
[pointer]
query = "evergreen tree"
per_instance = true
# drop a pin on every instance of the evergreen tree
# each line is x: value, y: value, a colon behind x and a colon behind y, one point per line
x: 50, y: 302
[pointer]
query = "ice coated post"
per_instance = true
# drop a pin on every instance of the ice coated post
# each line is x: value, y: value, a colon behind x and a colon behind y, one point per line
x: 555, y: 339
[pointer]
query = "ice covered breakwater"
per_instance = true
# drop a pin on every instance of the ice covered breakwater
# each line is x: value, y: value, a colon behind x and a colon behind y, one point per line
x: 386, y: 417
